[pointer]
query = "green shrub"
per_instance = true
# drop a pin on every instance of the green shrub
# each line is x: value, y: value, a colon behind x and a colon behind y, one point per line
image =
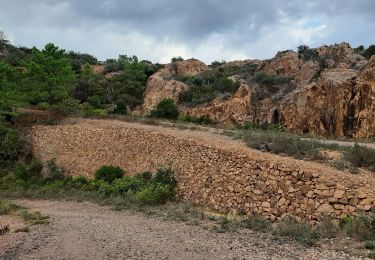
x: 121, y: 108
x: 370, y: 245
x: 268, y: 79
x: 78, y: 182
x: 53, y: 172
x: 12, y: 146
x: 258, y: 223
x: 155, y: 194
x: 33, y: 170
x: 95, y: 101
x: 361, y: 156
x: 146, y: 176
x: 165, y: 109
x: 205, y: 120
x: 68, y: 106
x: 127, y: 183
x: 7, y: 207
x: 164, y: 175
x: 369, y: 52
x: 109, y: 173
x: 299, y: 231
x: 88, y: 110
x: 43, y: 106
x: 362, y: 227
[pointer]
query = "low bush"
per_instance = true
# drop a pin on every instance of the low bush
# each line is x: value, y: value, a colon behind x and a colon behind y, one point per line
x: 89, y: 110
x: 121, y: 108
x: 362, y: 227
x: 164, y: 175
x: 156, y: 193
x: 109, y: 173
x: 268, y: 79
x: 7, y: 207
x: 203, y: 120
x: 53, y: 172
x: 165, y: 109
x: 361, y: 156
x: 12, y: 146
x: 299, y: 231
x: 258, y: 223
x: 283, y: 143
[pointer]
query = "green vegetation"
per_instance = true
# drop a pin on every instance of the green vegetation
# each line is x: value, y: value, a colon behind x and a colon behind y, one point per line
x: 53, y: 79
x: 165, y: 109
x: 369, y: 52
x: 275, y: 139
x: 109, y: 173
x: 203, y: 120
x: 361, y: 156
x: 30, y: 218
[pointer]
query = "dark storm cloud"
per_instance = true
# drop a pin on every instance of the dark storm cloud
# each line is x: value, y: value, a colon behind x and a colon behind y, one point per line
x: 206, y: 29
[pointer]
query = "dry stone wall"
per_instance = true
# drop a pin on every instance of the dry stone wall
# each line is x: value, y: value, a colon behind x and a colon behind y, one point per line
x: 221, y: 178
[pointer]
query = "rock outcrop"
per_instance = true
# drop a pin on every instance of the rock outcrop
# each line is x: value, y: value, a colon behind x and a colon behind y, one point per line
x: 159, y: 88
x: 331, y: 92
x: 160, y: 85
x: 234, y: 110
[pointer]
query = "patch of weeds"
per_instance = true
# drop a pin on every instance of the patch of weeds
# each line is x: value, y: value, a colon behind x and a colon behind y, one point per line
x: 7, y: 207
x: 225, y: 225
x: 299, y: 231
x: 370, y: 245
x: 34, y: 218
x: 258, y: 223
x: 361, y: 228
x: 361, y: 156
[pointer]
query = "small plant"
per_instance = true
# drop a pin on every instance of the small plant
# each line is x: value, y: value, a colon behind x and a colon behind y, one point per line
x: 109, y: 173
x: 155, y: 194
x: 361, y: 156
x: 7, y: 207
x: 164, y: 175
x: 258, y: 223
x: 362, y: 227
x: 370, y: 245
x: 299, y: 231
x: 165, y: 109
x: 53, y: 172
x: 121, y: 108
x: 146, y: 176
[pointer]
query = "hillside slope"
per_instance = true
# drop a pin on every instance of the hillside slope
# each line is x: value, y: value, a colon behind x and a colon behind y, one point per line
x: 324, y: 91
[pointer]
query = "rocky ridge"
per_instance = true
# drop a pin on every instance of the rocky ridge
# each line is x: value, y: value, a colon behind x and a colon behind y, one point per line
x: 332, y: 92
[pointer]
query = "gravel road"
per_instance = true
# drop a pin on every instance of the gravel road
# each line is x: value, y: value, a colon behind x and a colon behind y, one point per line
x: 88, y: 231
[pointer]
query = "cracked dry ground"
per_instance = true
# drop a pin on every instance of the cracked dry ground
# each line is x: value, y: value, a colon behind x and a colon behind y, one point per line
x: 89, y: 231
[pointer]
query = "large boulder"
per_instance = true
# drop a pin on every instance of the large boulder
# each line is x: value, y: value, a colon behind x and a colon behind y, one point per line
x: 162, y: 85
x: 159, y: 89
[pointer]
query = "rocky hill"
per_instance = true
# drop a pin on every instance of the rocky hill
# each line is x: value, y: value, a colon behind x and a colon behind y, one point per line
x: 329, y: 90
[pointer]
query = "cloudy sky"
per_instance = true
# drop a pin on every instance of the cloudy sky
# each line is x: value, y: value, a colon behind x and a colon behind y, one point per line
x: 205, y: 29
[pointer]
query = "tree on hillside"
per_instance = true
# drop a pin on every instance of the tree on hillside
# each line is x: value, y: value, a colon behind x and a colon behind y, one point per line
x: 10, y: 87
x: 369, y: 52
x: 49, y: 75
x: 4, y: 42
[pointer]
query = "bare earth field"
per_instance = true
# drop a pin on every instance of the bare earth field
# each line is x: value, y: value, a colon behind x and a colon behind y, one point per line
x: 88, y: 231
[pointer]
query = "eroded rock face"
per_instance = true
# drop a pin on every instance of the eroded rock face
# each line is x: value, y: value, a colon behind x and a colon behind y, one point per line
x: 332, y: 93
x: 160, y: 86
x: 235, y: 110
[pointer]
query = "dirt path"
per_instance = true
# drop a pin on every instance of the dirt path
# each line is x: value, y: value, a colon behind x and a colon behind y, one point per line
x: 88, y: 231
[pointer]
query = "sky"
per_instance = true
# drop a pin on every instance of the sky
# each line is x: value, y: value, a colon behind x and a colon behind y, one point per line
x: 209, y: 30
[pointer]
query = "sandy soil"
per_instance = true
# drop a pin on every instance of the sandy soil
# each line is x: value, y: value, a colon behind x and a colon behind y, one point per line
x: 88, y: 231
